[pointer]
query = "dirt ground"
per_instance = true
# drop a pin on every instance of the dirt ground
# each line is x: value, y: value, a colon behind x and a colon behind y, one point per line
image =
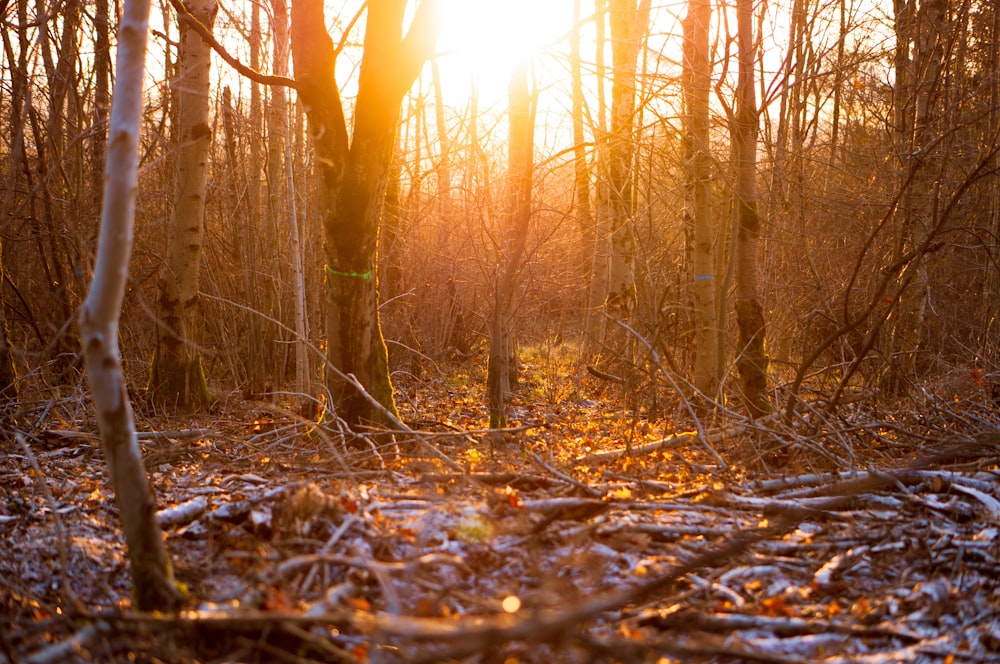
x: 585, y: 533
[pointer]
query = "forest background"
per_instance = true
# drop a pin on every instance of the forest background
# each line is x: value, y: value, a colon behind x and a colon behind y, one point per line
x: 874, y: 180
x: 781, y: 216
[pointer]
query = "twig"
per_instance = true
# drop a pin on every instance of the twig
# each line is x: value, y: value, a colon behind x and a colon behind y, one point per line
x: 182, y: 514
x: 68, y: 650
x: 61, y: 536
x: 352, y: 379
x: 586, y: 488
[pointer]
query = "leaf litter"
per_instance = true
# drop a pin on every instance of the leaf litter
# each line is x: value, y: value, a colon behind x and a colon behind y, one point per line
x: 582, y: 534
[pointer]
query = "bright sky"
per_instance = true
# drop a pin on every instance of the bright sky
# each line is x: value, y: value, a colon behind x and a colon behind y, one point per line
x: 482, y: 39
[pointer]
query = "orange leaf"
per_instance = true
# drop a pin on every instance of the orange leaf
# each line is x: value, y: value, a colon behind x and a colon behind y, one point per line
x: 775, y: 607
x: 359, y: 603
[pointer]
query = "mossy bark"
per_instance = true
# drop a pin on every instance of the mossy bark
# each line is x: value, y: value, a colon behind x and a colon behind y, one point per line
x: 752, y: 360
x: 179, y: 383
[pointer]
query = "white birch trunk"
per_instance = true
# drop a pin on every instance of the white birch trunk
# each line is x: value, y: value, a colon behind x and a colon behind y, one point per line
x: 177, y: 376
x: 152, y: 578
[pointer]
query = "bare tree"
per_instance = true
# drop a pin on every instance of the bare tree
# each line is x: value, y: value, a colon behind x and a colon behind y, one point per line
x: 920, y: 43
x: 354, y: 167
x: 629, y: 24
x: 581, y: 167
x: 502, y: 360
x: 752, y: 358
x: 177, y: 374
x: 698, y: 204
x: 283, y: 209
x: 8, y: 373
x: 152, y: 577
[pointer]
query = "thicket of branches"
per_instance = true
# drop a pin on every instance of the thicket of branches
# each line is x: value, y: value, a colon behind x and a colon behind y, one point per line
x: 876, y: 182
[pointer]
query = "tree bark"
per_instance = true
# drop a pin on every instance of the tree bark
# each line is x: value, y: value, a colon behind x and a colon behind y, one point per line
x: 628, y: 29
x: 581, y: 169
x: 918, y: 80
x: 8, y: 373
x: 502, y: 364
x: 152, y: 577
x: 354, y: 171
x: 752, y: 358
x: 698, y: 203
x: 177, y: 373
x: 281, y: 125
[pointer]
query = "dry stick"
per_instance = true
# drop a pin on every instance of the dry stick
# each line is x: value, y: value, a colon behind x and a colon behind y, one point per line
x: 352, y: 379
x: 488, y: 632
x: 586, y: 488
x: 491, y: 632
x: 42, y: 484
x: 68, y: 650
x: 710, y: 436
x: 673, y: 383
x: 349, y: 378
x: 320, y: 644
x: 349, y: 520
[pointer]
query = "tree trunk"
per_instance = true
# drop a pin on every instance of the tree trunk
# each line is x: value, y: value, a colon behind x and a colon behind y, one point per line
x: 102, y: 94
x: 698, y: 203
x: 177, y: 374
x: 8, y: 374
x: 991, y: 284
x: 919, y: 177
x: 628, y: 29
x: 152, y: 577
x: 752, y: 358
x: 303, y: 374
x: 502, y: 366
x: 581, y: 169
x: 354, y: 172
x: 601, y: 266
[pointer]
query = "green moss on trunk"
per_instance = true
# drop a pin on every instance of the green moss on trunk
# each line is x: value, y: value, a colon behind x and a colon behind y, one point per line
x: 178, y: 383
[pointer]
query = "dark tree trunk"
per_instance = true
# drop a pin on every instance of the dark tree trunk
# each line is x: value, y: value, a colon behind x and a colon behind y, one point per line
x: 752, y: 357
x: 354, y: 172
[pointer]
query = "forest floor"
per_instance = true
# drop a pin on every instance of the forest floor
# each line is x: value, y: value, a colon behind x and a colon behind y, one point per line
x: 584, y: 533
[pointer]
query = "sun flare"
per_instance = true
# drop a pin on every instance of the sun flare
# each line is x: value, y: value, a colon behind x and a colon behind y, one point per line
x: 481, y: 40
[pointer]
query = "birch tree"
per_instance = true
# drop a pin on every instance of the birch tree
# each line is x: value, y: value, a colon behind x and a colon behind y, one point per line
x: 152, y: 576
x: 177, y: 374
x: 354, y: 168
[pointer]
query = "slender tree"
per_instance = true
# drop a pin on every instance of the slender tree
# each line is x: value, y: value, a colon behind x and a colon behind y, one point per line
x: 177, y: 374
x: 279, y: 131
x: 354, y: 167
x: 629, y: 24
x: 919, y: 58
x: 152, y: 577
x: 502, y: 361
x: 8, y: 373
x: 698, y: 199
x: 752, y: 358
x: 581, y: 167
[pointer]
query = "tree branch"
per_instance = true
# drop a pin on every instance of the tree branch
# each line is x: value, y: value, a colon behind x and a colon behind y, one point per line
x: 206, y: 34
